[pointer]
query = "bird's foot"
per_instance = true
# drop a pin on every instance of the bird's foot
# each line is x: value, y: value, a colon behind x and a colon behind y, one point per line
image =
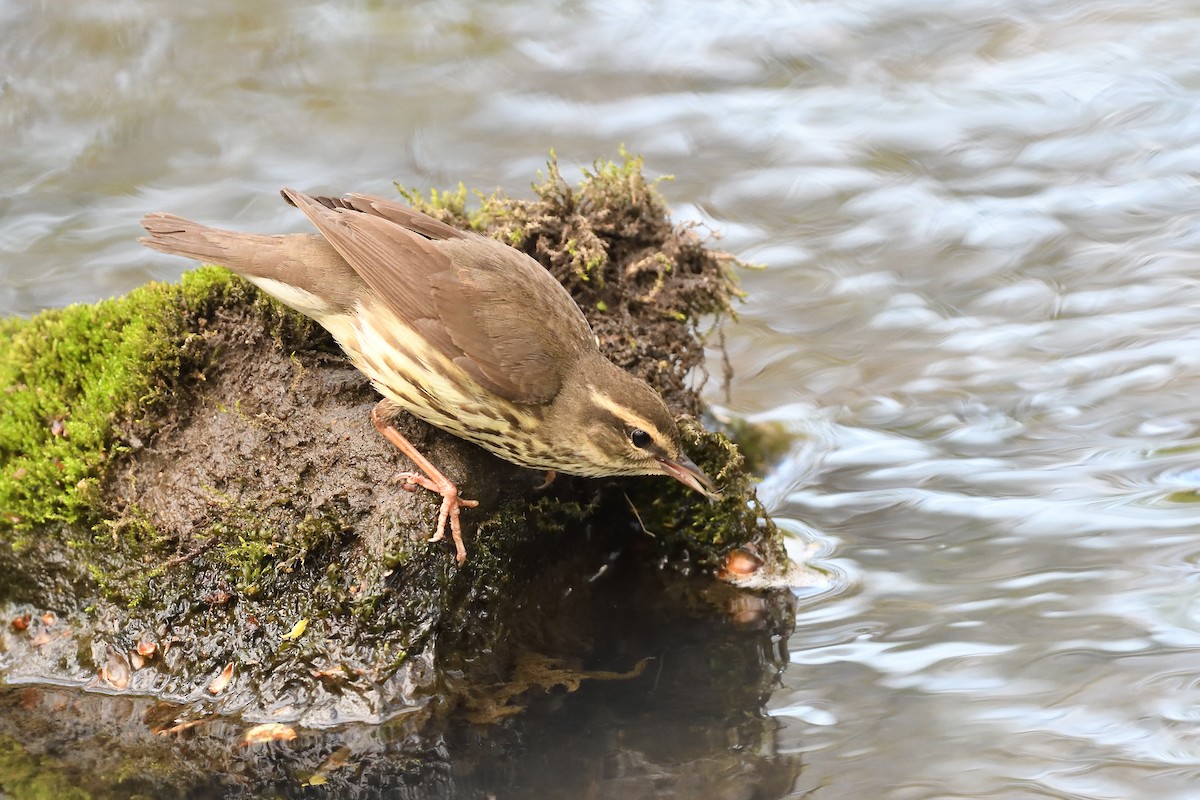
x: 451, y: 504
x: 545, y: 484
x: 432, y: 479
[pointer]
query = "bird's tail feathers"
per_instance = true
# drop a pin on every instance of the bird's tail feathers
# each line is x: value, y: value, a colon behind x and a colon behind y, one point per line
x: 182, y: 237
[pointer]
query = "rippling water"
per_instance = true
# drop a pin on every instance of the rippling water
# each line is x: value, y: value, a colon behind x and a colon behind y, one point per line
x: 981, y: 313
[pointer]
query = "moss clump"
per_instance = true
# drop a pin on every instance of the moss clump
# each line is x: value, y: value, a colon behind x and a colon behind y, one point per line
x: 77, y: 384
x: 700, y: 532
x: 80, y: 387
x: 69, y: 375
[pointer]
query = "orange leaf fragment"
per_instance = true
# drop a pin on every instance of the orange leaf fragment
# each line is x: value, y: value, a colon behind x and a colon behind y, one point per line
x: 221, y: 681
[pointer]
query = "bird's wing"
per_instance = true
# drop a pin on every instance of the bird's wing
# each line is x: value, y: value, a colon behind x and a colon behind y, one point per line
x: 494, y: 311
x: 402, y: 215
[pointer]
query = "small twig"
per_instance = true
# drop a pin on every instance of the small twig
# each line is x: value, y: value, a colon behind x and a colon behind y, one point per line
x: 638, y: 517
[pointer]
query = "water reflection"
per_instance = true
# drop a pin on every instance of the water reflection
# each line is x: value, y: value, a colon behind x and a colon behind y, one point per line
x: 689, y: 722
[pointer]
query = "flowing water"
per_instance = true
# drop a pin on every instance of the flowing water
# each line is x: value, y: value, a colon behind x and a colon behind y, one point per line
x: 980, y: 314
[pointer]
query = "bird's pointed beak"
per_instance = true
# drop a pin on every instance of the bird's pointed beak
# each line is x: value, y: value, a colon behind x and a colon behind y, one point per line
x: 686, y: 472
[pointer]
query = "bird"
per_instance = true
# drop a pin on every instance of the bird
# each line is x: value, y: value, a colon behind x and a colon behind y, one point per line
x: 458, y: 329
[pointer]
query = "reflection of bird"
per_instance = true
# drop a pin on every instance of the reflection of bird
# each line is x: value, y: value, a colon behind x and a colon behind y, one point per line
x: 460, y: 330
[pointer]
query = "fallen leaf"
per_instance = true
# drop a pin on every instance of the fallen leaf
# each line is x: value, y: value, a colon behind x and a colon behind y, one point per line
x: 115, y: 671
x: 297, y: 630
x: 221, y: 681
x: 337, y: 759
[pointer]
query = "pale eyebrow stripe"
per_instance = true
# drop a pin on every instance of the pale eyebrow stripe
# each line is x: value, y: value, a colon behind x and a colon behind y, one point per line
x: 625, y: 415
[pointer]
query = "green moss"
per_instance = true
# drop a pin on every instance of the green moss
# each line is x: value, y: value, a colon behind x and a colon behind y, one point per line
x: 248, y: 558
x: 257, y: 553
x: 78, y: 385
x: 68, y: 375
x: 32, y: 777
x: 687, y: 523
x: 448, y: 205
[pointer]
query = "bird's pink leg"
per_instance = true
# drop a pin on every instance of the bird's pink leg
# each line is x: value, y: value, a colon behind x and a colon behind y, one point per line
x: 433, y: 480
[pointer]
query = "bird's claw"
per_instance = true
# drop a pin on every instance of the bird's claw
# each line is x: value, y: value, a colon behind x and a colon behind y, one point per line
x: 408, y: 480
x: 547, y: 481
x: 448, y: 513
x: 451, y: 504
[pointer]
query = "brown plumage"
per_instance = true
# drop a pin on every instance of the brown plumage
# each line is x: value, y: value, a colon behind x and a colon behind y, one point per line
x: 461, y: 331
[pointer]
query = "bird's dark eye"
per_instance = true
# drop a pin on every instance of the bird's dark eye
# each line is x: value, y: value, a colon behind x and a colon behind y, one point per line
x: 640, y: 438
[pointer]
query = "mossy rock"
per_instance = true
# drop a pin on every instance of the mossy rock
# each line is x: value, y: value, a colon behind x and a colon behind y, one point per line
x: 189, y: 479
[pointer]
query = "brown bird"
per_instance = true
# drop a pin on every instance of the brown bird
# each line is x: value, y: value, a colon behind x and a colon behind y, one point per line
x: 460, y: 330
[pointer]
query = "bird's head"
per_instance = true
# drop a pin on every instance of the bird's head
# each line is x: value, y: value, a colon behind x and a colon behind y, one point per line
x: 617, y: 425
